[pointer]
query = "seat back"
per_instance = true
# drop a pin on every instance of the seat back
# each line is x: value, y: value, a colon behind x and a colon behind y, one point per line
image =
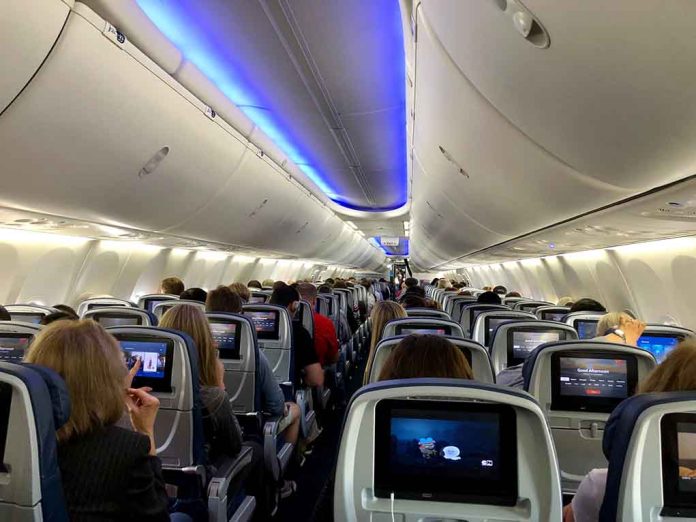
x: 528, y: 305
x: 660, y: 339
x: 259, y: 297
x: 170, y: 368
x: 513, y: 341
x: 552, y: 313
x: 398, y: 436
x: 160, y: 308
x: 148, y: 301
x: 577, y: 384
x: 27, y: 313
x: 34, y: 402
x: 510, y: 301
x: 121, y: 316
x: 422, y: 325
x: 274, y: 333
x: 486, y: 323
x: 15, y: 338
x: 475, y: 354
x: 427, y: 312
x: 235, y: 338
x: 585, y: 323
x: 451, y: 302
x: 471, y: 311
x: 305, y: 316
x: 649, y: 442
x: 457, y: 304
x: 101, y: 302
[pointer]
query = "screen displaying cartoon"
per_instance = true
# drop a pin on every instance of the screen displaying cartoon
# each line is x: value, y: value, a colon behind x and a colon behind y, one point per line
x: 524, y: 342
x: 586, y: 328
x: 265, y: 322
x: 14, y: 345
x: 678, y: 436
x: 225, y: 339
x: 422, y: 331
x: 446, y: 451
x: 27, y: 317
x: 155, y: 361
x: 107, y: 320
x: 659, y: 345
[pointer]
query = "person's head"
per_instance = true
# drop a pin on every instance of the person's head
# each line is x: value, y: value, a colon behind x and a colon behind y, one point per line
x: 444, y: 283
x: 382, y: 313
x: 172, y: 285
x: 587, y: 305
x: 325, y: 289
x: 277, y: 284
x: 415, y: 290
x: 411, y: 300
x: 286, y: 296
x: 268, y: 283
x: 92, y: 365
x: 308, y: 292
x: 676, y: 373
x: 425, y: 356
x: 465, y: 292
x: 222, y: 299
x: 487, y: 288
x: 67, y: 309
x: 192, y: 321
x: 194, y: 294
x: 4, y: 314
x: 254, y: 283
x: 431, y: 303
x: 611, y: 320
x: 434, y: 281
x: 565, y: 301
x: 489, y: 298
x: 58, y: 316
x: 241, y: 290
x: 330, y: 281
x: 411, y: 282
x: 500, y: 290
x: 340, y: 284
x: 513, y: 294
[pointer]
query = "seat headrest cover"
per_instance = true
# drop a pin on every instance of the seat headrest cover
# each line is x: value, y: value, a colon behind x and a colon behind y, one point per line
x: 58, y: 392
x: 617, y: 438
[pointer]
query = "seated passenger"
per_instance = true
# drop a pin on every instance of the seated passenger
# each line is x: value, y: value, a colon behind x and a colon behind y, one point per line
x: 223, y: 435
x: 67, y: 309
x: 414, y: 290
x: 241, y: 290
x: 566, y: 301
x: 444, y: 283
x: 57, y: 316
x: 325, y: 338
x: 254, y: 284
x: 434, y: 282
x: 513, y: 294
x: 500, y: 290
x: 172, y: 286
x: 489, y: 298
x: 108, y: 473
x: 307, y: 366
x: 465, y: 292
x: 425, y: 356
x: 4, y: 314
x: 268, y: 283
x: 194, y: 294
x: 587, y: 305
x: 382, y: 313
x: 411, y: 300
x: 676, y: 373
x: 276, y: 284
x: 620, y: 328
x: 222, y: 299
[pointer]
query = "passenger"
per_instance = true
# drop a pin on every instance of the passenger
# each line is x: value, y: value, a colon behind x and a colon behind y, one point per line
x: 487, y: 289
x: 330, y: 282
x: 67, y: 309
x: 676, y: 373
x: 620, y: 328
x: 254, y: 284
x: 489, y: 298
x: 222, y: 299
x: 57, y: 316
x: 325, y: 338
x: 434, y: 282
x: 325, y: 289
x: 382, y: 313
x: 4, y: 314
x: 566, y: 301
x: 513, y: 294
x: 411, y: 300
x: 242, y: 291
x: 465, y: 292
x: 307, y: 365
x: 425, y: 356
x: 276, y: 284
x: 500, y: 290
x: 432, y: 304
x: 223, y: 435
x: 444, y: 283
x: 415, y: 290
x: 172, y: 286
x: 587, y: 305
x: 268, y: 283
x: 195, y: 294
x: 108, y: 473
x: 411, y: 282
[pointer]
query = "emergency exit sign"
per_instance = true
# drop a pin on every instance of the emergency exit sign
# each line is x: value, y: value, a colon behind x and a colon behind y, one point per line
x: 389, y: 241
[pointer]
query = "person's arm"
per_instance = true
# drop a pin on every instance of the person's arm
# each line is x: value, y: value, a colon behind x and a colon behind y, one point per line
x: 332, y: 343
x: 272, y: 398
x: 142, y: 409
x: 227, y: 432
x: 314, y: 375
x: 145, y: 495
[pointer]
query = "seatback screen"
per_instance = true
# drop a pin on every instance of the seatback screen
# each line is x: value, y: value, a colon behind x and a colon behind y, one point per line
x: 257, y: 299
x: 659, y: 344
x: 226, y: 339
x: 491, y: 324
x: 446, y: 451
x: 596, y: 382
x: 678, y: 439
x: 92, y: 306
x: 27, y: 317
x: 523, y: 342
x: 586, y: 328
x: 265, y: 322
x: 553, y: 316
x: 422, y: 331
x: 107, y: 320
x: 151, y: 302
x: 155, y: 361
x: 13, y: 346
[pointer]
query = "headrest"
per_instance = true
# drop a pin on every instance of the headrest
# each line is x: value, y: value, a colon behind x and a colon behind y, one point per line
x: 617, y: 438
x: 58, y: 393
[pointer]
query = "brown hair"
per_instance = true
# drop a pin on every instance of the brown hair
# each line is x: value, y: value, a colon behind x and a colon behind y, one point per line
x: 382, y: 313
x: 241, y: 290
x: 676, y: 373
x: 92, y: 365
x: 425, y: 356
x: 191, y: 320
x: 222, y: 299
x: 172, y: 285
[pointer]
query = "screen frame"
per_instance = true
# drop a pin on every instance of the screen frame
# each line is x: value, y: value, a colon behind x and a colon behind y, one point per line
x: 273, y: 335
x: 20, y: 315
x: 595, y: 404
x: 94, y: 306
x: 149, y: 303
x: 399, y: 328
x: 675, y: 503
x: 487, y: 334
x: 662, y: 335
x: 498, y: 493
x: 511, y: 359
x: 546, y: 313
x: 115, y: 315
x: 577, y: 321
x: 18, y: 335
x: 237, y: 339
x: 159, y: 385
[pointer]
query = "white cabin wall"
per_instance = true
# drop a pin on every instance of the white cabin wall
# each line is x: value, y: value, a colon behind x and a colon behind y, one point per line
x: 655, y: 280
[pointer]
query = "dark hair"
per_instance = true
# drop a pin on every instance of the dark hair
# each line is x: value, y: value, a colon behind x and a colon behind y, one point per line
x: 434, y: 281
x: 489, y: 298
x: 513, y: 294
x: 415, y: 290
x: 254, y: 284
x: 194, y: 294
x: 58, y: 316
x: 284, y: 296
x: 500, y: 289
x: 412, y: 301
x: 67, y: 309
x: 222, y: 299
x: 325, y: 289
x: 4, y: 314
x: 425, y: 356
x: 340, y: 284
x: 587, y: 305
x: 172, y: 285
x: 278, y: 284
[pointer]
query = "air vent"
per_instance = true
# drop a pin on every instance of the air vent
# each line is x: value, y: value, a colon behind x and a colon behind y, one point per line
x: 525, y: 23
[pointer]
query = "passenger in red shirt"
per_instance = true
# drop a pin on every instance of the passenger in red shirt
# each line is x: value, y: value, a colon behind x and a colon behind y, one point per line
x: 325, y: 338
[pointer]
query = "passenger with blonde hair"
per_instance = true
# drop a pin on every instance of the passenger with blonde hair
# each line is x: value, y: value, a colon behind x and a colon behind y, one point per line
x: 444, y: 283
x: 107, y: 472
x: 676, y: 373
x: 620, y: 328
x: 425, y: 356
x: 382, y: 313
x: 242, y: 291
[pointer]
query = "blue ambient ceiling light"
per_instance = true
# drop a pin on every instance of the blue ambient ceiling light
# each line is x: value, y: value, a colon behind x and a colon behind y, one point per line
x: 182, y: 22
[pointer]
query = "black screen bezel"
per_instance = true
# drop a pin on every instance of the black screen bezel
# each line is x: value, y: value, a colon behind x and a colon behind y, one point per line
x: 40, y: 315
x: 511, y: 359
x: 591, y: 404
x: 93, y: 306
x: 116, y: 315
x: 544, y: 314
x: 499, y: 493
x: 222, y: 353
x: 273, y: 335
x: 487, y: 336
x: 18, y: 335
x: 399, y: 328
x: 150, y: 302
x: 163, y: 385
x: 575, y: 327
x: 5, y: 406
x: 675, y: 503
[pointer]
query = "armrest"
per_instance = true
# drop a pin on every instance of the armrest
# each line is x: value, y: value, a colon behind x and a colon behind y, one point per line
x: 227, y: 471
x: 251, y: 423
x: 288, y: 390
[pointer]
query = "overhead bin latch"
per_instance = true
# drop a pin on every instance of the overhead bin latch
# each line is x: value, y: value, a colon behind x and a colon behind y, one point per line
x: 115, y: 35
